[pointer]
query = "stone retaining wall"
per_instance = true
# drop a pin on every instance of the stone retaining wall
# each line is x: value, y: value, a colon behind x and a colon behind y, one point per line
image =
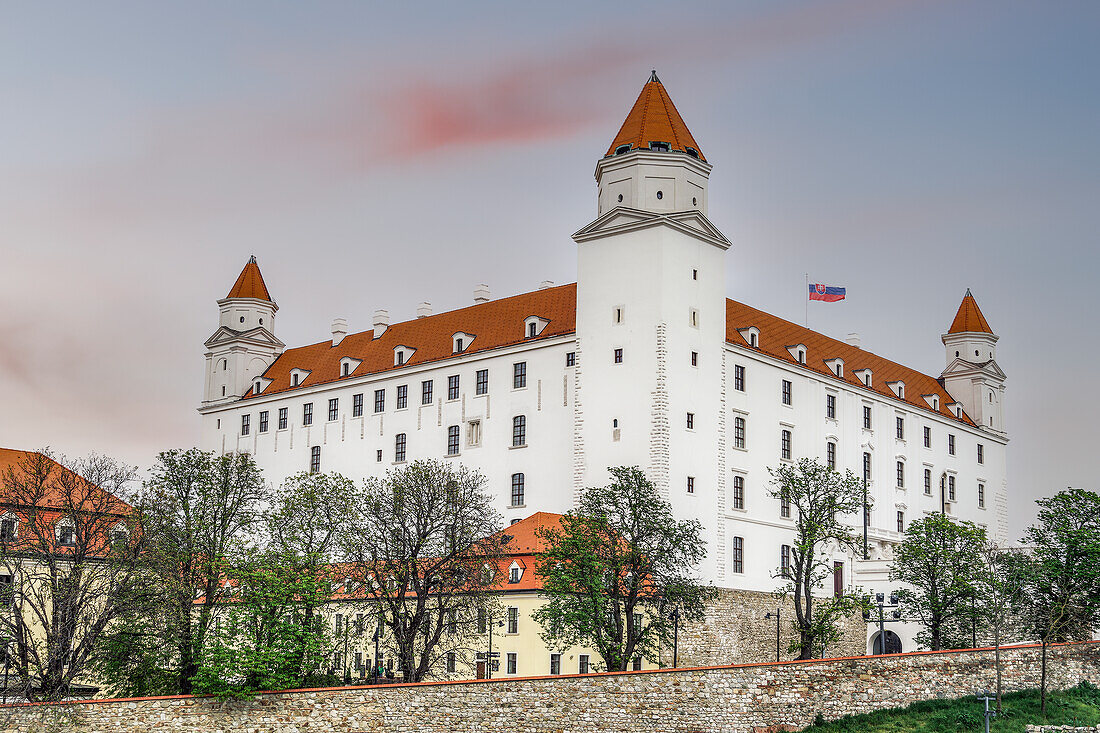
x: 736, y: 699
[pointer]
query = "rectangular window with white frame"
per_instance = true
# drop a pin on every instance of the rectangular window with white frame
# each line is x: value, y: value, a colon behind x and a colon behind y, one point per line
x: 283, y: 419
x: 738, y: 554
x: 399, y: 448
x: 739, y: 377
x: 927, y: 437
x: 263, y: 421
x: 519, y: 375
x: 245, y: 424
x: 513, y: 620
x: 785, y: 445
x: 333, y: 409
x: 307, y: 413
x: 950, y: 488
x: 830, y: 454
x: 739, y: 492
x: 426, y: 392
x: 786, y: 392
x: 739, y: 432
x: 830, y: 406
x: 981, y: 453
x: 866, y: 417
x: 357, y: 405
x: 379, y: 400
x: 481, y: 382
x: 582, y: 664
x: 519, y: 431
x: 518, y: 489
x: 928, y: 482
x: 901, y: 474
x: 900, y: 427
x: 512, y: 664
x: 981, y: 496
x: 452, y: 440
x: 402, y: 396
x: 452, y: 387
x: 950, y: 444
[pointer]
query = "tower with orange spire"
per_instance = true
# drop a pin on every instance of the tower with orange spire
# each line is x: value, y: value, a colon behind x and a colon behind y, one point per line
x: 972, y: 375
x: 244, y: 346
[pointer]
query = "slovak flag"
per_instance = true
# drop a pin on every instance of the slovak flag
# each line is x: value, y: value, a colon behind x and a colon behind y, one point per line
x: 828, y: 293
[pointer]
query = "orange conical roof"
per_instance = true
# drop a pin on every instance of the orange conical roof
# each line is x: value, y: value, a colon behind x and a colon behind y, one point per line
x: 969, y: 319
x: 250, y: 283
x: 654, y: 118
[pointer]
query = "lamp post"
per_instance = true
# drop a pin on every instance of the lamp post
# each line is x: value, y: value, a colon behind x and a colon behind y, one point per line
x: 769, y: 614
x: 675, y: 618
x: 986, y: 697
x: 489, y: 658
x: 880, y: 601
x: 377, y: 636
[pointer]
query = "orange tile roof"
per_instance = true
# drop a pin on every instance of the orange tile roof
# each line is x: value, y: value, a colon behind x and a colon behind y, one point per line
x: 250, y: 283
x: 969, y: 319
x: 11, y: 459
x: 525, y: 533
x: 494, y: 324
x: 654, y: 118
x: 777, y: 334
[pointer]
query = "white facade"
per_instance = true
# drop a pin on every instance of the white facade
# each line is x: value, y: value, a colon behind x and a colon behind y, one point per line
x: 654, y: 343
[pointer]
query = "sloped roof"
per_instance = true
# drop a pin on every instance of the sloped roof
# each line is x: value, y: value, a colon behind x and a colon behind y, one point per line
x: 654, y: 118
x: 969, y: 318
x: 493, y: 324
x: 525, y: 533
x: 777, y: 334
x: 250, y: 283
x: 14, y: 460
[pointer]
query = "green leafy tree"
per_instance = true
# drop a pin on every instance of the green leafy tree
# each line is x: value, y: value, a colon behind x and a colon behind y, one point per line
x: 821, y: 498
x: 1061, y: 587
x: 937, y: 561
x: 616, y: 568
x: 998, y: 583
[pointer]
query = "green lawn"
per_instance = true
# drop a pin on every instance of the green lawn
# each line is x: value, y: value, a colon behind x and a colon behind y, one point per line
x: 1078, y: 706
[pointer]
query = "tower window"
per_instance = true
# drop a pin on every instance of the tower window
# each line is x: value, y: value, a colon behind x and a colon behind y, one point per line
x: 694, y: 273
x: 662, y: 147
x: 532, y: 330
x: 618, y: 315
x: 739, y: 432
x: 692, y: 152
x: 691, y: 485
x: 695, y: 358
x: 738, y: 492
x: 620, y: 198
x: 620, y: 150
x: 660, y: 195
x: 691, y: 421
x: 618, y: 356
x: 571, y: 359
x: 517, y: 489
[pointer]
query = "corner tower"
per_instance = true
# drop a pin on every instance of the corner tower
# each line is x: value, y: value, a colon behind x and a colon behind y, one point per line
x: 244, y: 345
x: 972, y: 376
x: 651, y: 317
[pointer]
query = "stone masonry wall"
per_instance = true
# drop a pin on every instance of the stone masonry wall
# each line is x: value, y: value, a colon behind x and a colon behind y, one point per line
x: 736, y: 631
x: 745, y: 698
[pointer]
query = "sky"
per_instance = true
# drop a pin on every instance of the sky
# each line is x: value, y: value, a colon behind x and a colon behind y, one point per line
x: 374, y: 155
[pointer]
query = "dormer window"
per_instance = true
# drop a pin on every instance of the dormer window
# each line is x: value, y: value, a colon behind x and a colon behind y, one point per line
x: 898, y: 388
x: 533, y: 326
x: 659, y: 146
x: 836, y: 366
x: 798, y: 352
x: 9, y: 527
x: 461, y: 341
x: 751, y: 335
x: 933, y: 401
x: 864, y: 375
x: 622, y: 149
x: 401, y: 355
x: 66, y: 533
x: 348, y: 366
x: 297, y: 376
x: 119, y: 533
x: 515, y: 572
x: 257, y: 388
x: 692, y: 152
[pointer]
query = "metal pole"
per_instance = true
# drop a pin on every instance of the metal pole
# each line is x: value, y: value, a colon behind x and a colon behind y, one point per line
x: 675, y: 636
x: 881, y: 629
x: 777, y: 634
x: 865, y: 556
x: 489, y: 659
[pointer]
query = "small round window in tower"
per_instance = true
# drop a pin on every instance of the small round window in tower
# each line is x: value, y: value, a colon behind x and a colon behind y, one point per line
x: 620, y: 198
x: 956, y: 353
x: 242, y: 319
x: 975, y: 352
x: 261, y: 321
x: 660, y: 195
x: 694, y: 201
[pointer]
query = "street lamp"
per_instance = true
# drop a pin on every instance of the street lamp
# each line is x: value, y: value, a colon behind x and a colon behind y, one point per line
x: 880, y: 601
x: 769, y: 614
x: 675, y: 618
x: 986, y: 697
x: 489, y: 659
x: 377, y: 636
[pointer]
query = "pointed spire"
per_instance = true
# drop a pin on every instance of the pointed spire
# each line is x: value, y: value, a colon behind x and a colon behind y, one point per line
x: 250, y: 283
x: 654, y: 119
x: 969, y: 319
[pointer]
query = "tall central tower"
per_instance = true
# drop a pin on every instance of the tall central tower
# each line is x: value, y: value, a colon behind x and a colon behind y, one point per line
x: 651, y: 317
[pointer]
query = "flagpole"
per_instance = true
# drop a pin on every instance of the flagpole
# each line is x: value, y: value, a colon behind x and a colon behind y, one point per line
x: 806, y: 295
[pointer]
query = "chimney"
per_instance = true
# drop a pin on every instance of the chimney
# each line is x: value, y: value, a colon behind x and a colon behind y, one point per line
x: 381, y: 321
x: 424, y: 310
x: 339, y: 330
x: 853, y: 340
x: 481, y: 293
x: 546, y: 284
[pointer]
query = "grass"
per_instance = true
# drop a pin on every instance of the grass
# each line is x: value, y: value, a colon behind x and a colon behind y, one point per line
x: 1077, y: 706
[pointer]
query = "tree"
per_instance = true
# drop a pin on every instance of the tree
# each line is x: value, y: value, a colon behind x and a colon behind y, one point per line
x: 616, y: 568
x: 938, y: 561
x: 68, y: 548
x: 1061, y: 584
x: 197, y: 512
x: 998, y: 581
x: 820, y: 497
x: 425, y: 547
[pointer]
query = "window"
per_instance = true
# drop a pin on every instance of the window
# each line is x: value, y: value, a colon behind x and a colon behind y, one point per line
x: 7, y: 532
x: 379, y: 400
x: 517, y: 489
x: 738, y: 554
x: 801, y: 356
x: 691, y: 484
x: 571, y: 359
x: 866, y: 417
x: 830, y: 454
x: 951, y: 488
x: 459, y: 345
x: 66, y: 535
x: 830, y: 406
x: 482, y: 382
x: 927, y: 437
x: 694, y: 318
x: 482, y: 621
x: 901, y: 474
x: 752, y: 340
x: 951, y: 444
x: 785, y: 446
x: 695, y: 358
x: 618, y: 356
x: 738, y: 492
x: 514, y: 574
x: 426, y: 392
x: 333, y: 409
x: 532, y: 330
x: 901, y: 521
x: 866, y: 466
x: 345, y: 372
x: 339, y: 624
x: 981, y: 453
x: 511, y: 663
x: 785, y: 561
x: 738, y: 432
x: 519, y: 431
x: 900, y: 427
x: 739, y: 377
x: 452, y: 387
x: 450, y: 661
x: 399, y: 358
x: 582, y: 665
x: 555, y: 664
x: 694, y: 274
x: 519, y: 375
x: 452, y: 440
x: 357, y: 405
x: 263, y: 421
x: 402, y: 396
x: 294, y: 380
x: 315, y: 459
x: 636, y: 623
x: 785, y: 506
x: 513, y: 620
x: 307, y: 413
x: 399, y: 448
x: 283, y: 417
x: 786, y: 392
x: 473, y: 433
x: 245, y: 424
x: 618, y: 315
x: 928, y: 482
x: 981, y: 496
x: 378, y: 455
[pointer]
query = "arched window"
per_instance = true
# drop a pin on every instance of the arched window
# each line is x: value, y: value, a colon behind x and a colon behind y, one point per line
x: 893, y: 644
